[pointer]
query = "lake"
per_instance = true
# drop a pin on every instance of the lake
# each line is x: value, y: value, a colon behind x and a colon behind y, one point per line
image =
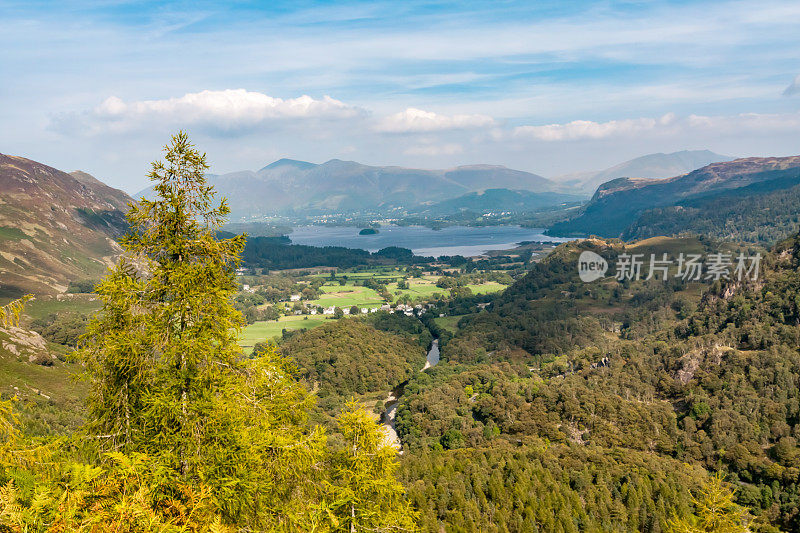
x: 452, y: 240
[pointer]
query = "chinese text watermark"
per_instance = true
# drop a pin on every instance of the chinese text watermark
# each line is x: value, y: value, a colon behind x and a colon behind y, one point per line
x: 688, y: 267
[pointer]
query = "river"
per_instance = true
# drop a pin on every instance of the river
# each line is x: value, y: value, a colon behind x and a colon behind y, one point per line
x: 391, y: 412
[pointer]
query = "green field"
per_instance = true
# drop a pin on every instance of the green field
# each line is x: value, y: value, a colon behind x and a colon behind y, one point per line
x: 261, y: 331
x: 425, y: 288
x: 347, y: 296
x: 486, y: 288
x: 419, y: 289
x: 450, y: 323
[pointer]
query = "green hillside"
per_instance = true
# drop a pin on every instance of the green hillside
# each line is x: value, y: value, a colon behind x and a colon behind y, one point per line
x: 618, y: 204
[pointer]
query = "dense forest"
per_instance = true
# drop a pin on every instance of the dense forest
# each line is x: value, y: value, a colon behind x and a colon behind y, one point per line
x: 756, y: 213
x: 275, y: 253
x: 348, y: 358
x: 593, y: 396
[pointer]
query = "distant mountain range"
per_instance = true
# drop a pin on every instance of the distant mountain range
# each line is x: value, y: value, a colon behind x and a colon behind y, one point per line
x: 500, y: 200
x: 618, y: 204
x: 291, y: 187
x: 54, y: 227
x: 297, y: 187
x: 57, y: 227
x: 648, y: 166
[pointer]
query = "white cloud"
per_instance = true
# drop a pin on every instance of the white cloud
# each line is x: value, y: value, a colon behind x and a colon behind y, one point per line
x: 226, y: 111
x: 668, y: 126
x: 587, y: 129
x: 745, y: 123
x: 414, y: 120
x: 793, y: 88
x: 434, y: 149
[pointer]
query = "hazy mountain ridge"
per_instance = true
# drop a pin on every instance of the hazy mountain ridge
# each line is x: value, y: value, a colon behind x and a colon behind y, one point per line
x: 617, y: 204
x: 289, y: 186
x: 54, y: 227
x: 659, y: 165
x: 500, y: 200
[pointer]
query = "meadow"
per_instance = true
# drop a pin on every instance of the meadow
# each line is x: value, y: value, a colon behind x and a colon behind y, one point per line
x: 347, y: 295
x: 265, y: 330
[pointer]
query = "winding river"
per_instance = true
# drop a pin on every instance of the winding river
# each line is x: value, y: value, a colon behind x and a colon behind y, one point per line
x: 391, y: 411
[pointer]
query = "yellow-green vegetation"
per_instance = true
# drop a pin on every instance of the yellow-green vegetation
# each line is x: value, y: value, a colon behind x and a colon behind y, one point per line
x: 184, y: 433
x: 10, y: 313
x: 272, y: 329
x: 716, y: 511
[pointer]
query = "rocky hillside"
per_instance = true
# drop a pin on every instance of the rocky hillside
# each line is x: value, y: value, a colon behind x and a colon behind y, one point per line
x: 54, y: 227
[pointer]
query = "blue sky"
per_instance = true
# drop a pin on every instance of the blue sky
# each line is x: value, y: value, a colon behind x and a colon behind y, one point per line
x: 549, y: 87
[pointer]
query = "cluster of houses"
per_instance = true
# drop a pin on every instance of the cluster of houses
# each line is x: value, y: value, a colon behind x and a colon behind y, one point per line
x: 408, y: 310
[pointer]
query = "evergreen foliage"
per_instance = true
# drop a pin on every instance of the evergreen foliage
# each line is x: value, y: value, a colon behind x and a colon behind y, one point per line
x: 185, y: 433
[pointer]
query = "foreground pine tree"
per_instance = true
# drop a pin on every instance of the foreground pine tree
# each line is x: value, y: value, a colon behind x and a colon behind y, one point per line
x: 166, y: 341
x: 187, y: 434
x: 716, y: 511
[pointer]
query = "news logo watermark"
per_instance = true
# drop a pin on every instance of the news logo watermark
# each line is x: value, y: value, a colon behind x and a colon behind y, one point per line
x: 688, y: 267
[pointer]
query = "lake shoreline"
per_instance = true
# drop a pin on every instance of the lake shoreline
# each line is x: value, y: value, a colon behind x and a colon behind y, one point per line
x: 467, y: 241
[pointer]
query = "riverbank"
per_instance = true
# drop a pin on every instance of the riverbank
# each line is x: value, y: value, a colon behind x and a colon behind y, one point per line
x: 393, y: 399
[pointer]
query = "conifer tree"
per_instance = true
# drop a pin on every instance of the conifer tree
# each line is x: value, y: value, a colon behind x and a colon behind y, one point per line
x: 9, y: 313
x: 716, y: 511
x: 191, y: 435
x: 166, y: 338
x: 366, y: 496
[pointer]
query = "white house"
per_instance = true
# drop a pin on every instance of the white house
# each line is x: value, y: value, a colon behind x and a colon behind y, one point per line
x: 294, y: 298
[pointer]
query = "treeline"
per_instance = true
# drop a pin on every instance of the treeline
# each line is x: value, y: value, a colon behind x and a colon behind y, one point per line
x: 276, y: 253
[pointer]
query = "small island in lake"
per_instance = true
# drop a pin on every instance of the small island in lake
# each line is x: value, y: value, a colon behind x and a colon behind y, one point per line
x: 368, y: 231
